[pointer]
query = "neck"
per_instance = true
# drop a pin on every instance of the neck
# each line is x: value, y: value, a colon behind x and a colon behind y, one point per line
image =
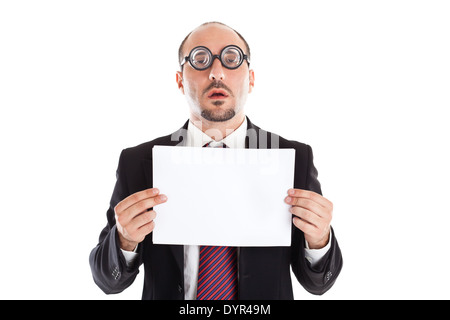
x: 218, y: 130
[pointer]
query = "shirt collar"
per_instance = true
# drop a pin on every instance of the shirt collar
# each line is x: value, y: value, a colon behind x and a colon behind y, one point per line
x: 197, y: 138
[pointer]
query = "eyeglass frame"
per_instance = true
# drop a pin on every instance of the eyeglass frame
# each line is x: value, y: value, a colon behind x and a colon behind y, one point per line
x: 214, y: 56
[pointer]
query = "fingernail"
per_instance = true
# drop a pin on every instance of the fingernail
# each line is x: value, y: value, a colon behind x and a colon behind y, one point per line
x: 162, y: 197
x: 155, y: 191
x: 291, y: 191
x: 288, y: 199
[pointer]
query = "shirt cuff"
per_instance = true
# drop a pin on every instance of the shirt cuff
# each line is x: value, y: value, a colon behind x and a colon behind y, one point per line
x: 130, y: 256
x: 314, y: 255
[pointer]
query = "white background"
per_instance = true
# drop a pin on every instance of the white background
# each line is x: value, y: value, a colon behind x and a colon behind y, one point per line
x: 365, y: 83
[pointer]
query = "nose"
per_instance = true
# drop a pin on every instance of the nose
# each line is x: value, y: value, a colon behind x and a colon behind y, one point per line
x: 216, y: 72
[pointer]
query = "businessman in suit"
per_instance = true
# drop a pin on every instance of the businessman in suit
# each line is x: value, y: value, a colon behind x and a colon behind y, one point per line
x: 216, y: 78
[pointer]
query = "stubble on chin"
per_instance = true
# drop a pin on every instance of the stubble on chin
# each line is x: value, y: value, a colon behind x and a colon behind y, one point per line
x: 218, y: 115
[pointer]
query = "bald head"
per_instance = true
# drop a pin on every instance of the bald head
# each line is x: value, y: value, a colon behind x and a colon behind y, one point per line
x: 211, y: 25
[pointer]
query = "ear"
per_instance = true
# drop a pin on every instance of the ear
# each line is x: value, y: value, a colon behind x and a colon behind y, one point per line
x: 251, y: 79
x: 180, y: 81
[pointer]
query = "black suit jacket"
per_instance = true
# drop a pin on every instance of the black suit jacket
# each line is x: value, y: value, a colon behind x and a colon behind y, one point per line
x: 264, y: 272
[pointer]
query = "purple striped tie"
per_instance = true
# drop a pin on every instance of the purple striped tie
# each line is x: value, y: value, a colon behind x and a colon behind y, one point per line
x: 217, y: 271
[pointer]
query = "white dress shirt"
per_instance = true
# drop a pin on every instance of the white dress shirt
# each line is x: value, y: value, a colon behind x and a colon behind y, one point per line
x: 235, y: 139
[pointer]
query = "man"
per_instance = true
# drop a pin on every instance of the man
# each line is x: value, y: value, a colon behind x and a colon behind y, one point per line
x: 216, y: 78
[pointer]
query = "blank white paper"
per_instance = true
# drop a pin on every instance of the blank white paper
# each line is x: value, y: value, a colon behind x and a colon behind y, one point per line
x: 223, y: 197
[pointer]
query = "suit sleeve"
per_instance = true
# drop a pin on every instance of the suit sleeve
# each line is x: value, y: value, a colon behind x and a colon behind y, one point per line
x: 108, y: 265
x: 321, y: 278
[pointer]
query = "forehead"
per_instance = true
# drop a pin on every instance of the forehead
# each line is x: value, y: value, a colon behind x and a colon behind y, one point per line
x: 213, y: 36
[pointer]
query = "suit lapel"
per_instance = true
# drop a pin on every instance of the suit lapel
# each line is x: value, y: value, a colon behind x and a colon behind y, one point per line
x: 257, y: 138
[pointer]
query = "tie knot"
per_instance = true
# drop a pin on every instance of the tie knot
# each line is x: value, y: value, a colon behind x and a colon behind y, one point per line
x: 215, y: 144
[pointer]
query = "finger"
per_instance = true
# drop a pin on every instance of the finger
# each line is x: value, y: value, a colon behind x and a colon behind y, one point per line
x: 314, y: 196
x: 147, y: 228
x: 139, y: 234
x: 138, y: 208
x: 146, y: 204
x: 306, y: 215
x: 135, y: 197
x: 141, y: 220
x: 303, y: 225
x: 307, y: 204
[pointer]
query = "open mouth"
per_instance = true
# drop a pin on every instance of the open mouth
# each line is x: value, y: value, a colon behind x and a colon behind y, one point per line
x: 217, y: 94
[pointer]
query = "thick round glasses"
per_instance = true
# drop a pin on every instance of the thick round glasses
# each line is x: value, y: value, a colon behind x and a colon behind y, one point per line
x: 201, y: 58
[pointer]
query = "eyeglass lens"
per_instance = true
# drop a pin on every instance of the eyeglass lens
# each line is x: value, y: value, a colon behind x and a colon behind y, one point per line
x: 232, y: 57
x: 201, y: 58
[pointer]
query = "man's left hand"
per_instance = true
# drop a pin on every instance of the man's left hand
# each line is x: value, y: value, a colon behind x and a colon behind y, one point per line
x: 313, y: 215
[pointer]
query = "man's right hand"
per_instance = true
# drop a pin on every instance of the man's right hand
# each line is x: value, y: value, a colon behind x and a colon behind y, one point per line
x: 134, y: 219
